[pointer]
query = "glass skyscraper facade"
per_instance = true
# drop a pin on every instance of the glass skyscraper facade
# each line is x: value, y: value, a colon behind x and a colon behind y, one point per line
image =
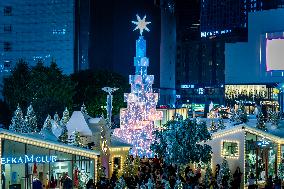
x: 37, y: 30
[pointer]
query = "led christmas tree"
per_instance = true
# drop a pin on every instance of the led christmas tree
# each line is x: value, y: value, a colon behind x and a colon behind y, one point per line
x: 137, y: 120
x: 17, y: 120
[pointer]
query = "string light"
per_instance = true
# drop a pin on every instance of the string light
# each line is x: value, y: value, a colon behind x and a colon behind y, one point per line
x: 137, y: 120
x: 50, y: 145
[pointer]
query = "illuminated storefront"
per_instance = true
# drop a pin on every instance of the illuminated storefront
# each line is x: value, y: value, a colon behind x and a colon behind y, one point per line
x: 250, y: 149
x: 25, y: 158
x: 252, y: 95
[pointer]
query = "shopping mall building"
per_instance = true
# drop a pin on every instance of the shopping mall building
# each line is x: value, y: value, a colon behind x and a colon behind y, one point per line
x: 26, y: 157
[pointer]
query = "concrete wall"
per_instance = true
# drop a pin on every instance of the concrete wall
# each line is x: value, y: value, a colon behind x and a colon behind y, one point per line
x: 216, y: 144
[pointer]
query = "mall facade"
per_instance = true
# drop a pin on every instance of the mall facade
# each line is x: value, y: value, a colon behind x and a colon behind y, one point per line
x: 28, y: 157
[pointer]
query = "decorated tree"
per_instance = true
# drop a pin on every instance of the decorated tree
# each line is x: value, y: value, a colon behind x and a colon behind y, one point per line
x: 178, y: 184
x: 261, y: 122
x: 224, y: 178
x: 30, y: 121
x: 84, y: 109
x: 17, y: 121
x: 76, y: 139
x: 213, y: 127
x: 181, y: 142
x: 128, y: 167
x: 208, y: 176
x: 120, y: 184
x: 47, y: 124
x: 233, y: 116
x: 136, y: 165
x: 101, y: 170
x: 274, y: 118
x: 63, y: 122
x: 64, y: 135
x: 242, y: 113
x: 56, y: 118
x: 150, y: 184
x: 65, y: 117
x: 281, y: 170
x: 221, y: 124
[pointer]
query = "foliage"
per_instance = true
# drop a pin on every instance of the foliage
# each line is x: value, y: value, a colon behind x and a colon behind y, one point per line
x: 213, y: 127
x: 242, y: 113
x: 84, y: 109
x: 16, y: 87
x: 5, y: 115
x: 101, y: 170
x: 47, y: 124
x: 220, y: 124
x: 31, y: 120
x: 128, y: 167
x: 208, y: 176
x: 120, y: 184
x: 89, y: 90
x: 76, y: 139
x: 274, y: 118
x: 261, y: 122
x: 181, y: 142
x: 281, y: 170
x: 17, y: 120
x: 63, y: 122
x: 225, y: 175
x: 47, y: 88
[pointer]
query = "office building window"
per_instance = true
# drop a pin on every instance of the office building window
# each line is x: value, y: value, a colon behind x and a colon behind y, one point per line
x: 7, y: 46
x: 8, y: 11
x: 7, y: 28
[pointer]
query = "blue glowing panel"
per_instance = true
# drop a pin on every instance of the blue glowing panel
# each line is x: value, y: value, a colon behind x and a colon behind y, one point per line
x: 140, y: 47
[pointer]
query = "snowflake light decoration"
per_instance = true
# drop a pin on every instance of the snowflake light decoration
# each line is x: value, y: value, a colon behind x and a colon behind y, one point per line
x: 141, y: 24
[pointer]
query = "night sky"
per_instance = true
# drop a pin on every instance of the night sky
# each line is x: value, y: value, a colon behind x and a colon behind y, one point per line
x: 112, y: 31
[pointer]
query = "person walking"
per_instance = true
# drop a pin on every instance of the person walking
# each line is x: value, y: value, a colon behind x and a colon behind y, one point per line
x: 251, y: 181
x: 90, y: 184
x: 277, y: 183
x: 237, y: 179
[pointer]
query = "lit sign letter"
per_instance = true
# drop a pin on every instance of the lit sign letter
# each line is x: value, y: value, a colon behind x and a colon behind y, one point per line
x: 20, y: 160
x: 53, y: 158
x: 29, y: 160
x: 14, y: 160
x: 38, y: 159
x: 3, y: 161
x: 8, y: 160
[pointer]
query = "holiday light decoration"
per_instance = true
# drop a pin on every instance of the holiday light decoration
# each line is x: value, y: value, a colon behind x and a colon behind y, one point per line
x: 137, y: 120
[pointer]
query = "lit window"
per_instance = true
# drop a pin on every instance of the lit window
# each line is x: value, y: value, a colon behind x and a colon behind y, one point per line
x: 230, y: 149
x: 8, y: 11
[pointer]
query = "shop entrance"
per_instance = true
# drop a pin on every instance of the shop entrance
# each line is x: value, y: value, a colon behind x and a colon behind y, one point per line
x: 25, y: 165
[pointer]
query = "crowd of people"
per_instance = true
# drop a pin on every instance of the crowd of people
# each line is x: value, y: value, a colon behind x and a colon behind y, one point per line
x: 153, y: 173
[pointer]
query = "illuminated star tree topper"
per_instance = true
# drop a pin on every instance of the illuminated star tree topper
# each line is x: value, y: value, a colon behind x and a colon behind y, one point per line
x: 141, y: 24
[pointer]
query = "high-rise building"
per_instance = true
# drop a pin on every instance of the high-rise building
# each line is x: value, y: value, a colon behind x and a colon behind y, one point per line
x: 230, y: 18
x: 199, y: 63
x: 167, y: 52
x: 35, y: 29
